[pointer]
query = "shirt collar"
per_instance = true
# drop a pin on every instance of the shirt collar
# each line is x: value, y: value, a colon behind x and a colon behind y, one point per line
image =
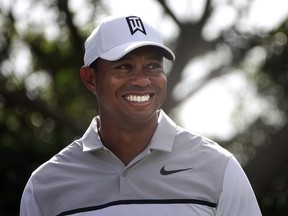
x: 162, y: 139
x: 91, y: 139
x: 164, y: 135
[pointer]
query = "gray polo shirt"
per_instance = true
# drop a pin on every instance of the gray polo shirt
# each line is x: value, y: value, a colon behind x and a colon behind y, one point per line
x: 179, y: 173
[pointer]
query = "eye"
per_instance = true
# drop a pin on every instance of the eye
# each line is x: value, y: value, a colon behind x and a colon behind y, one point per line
x: 122, y: 69
x: 154, y: 68
x: 154, y: 65
x: 124, y: 66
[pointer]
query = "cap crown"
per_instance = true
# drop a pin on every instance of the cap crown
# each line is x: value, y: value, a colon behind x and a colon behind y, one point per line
x: 116, y: 36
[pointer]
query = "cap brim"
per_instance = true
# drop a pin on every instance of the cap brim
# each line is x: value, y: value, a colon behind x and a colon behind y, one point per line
x: 119, y: 51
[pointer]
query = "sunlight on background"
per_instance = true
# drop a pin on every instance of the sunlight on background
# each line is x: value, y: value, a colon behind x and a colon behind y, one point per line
x: 209, y: 111
x: 265, y: 14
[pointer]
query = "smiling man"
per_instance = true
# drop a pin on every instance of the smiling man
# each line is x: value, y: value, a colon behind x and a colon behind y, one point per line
x: 133, y: 159
x: 130, y: 91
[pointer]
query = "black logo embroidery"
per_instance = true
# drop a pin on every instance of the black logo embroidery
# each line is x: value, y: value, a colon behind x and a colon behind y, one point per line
x: 135, y: 24
x: 169, y: 172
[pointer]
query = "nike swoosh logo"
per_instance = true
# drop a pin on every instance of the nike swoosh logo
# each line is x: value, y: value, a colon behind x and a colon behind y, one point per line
x: 169, y: 172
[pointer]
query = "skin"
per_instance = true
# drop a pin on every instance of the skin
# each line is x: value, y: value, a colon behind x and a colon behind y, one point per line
x: 126, y: 125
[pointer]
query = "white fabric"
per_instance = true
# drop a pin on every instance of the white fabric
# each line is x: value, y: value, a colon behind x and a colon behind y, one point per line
x: 114, y: 38
x: 86, y: 178
x: 237, y: 197
x: 150, y: 210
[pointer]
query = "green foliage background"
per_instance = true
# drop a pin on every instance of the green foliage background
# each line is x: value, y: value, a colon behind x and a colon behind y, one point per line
x: 46, y: 107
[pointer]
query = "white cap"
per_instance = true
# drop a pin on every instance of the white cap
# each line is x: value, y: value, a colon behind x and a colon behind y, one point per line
x: 117, y: 36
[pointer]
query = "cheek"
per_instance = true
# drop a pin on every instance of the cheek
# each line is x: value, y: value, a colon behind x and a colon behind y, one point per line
x: 109, y: 86
x: 162, y: 82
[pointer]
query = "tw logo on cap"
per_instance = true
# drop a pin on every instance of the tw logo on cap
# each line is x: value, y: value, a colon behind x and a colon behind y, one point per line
x: 135, y: 24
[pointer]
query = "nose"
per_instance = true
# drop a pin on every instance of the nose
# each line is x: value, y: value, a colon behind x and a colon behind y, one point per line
x: 140, y: 78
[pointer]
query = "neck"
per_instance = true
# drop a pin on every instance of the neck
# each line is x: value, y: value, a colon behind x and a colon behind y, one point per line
x: 126, y: 140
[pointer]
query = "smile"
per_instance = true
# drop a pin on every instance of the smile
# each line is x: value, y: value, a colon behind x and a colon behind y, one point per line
x: 137, y: 98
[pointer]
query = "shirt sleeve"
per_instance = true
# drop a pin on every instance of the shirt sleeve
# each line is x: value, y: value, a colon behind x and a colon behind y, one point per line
x: 237, y: 197
x: 28, y: 206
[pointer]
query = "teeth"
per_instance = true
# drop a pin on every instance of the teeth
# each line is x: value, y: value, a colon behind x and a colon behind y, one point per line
x: 138, y: 98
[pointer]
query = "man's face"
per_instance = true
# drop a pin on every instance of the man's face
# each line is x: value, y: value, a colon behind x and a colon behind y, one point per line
x: 132, y: 88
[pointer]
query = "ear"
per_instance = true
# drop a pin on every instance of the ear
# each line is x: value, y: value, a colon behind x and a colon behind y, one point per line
x: 88, y: 77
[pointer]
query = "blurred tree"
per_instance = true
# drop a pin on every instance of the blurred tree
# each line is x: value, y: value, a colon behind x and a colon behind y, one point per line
x: 264, y: 141
x: 41, y: 102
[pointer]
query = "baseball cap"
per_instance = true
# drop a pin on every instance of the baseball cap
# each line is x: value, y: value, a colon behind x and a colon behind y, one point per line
x: 118, y: 35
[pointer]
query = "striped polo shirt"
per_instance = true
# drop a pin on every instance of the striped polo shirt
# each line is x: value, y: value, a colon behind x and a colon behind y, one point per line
x: 179, y: 173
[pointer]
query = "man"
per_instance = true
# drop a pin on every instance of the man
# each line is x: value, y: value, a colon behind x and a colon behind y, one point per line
x: 133, y: 159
